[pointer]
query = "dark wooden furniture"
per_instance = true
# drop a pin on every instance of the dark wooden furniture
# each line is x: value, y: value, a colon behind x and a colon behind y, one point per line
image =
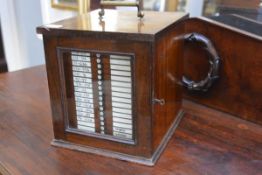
x: 206, y: 141
x: 238, y: 91
x: 113, y: 82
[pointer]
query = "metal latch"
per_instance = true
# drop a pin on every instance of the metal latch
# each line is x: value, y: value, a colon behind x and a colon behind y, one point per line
x: 159, y: 101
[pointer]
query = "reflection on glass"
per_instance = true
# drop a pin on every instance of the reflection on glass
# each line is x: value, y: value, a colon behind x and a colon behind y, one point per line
x: 245, y: 8
x: 251, y: 9
x: 103, y: 93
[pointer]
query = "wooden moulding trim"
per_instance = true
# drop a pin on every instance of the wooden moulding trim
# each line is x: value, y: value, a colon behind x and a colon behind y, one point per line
x: 242, y: 32
x: 136, y: 159
x: 97, y: 35
x: 167, y: 136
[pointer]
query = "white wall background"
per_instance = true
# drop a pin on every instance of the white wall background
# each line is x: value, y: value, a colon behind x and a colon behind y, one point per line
x: 194, y: 7
x: 50, y: 14
x: 19, y: 19
x: 28, y: 15
x: 12, y: 47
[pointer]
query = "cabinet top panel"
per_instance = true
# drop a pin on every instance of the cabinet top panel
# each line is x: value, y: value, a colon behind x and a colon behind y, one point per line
x: 115, y: 24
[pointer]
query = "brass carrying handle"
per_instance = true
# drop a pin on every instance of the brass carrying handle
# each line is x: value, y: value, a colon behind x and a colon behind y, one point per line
x: 137, y: 3
x: 214, y: 61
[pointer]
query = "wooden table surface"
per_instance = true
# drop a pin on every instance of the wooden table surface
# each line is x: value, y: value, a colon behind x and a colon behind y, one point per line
x: 207, y: 142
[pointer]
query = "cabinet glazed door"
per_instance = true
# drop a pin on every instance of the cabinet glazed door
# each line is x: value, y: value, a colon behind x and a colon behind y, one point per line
x: 101, y: 88
x: 105, y: 95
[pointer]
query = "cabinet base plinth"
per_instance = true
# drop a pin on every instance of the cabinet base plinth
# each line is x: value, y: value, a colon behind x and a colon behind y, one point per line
x: 136, y: 159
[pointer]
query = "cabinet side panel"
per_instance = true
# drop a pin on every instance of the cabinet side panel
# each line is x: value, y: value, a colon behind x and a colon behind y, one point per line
x: 167, y: 81
x: 54, y: 84
x: 238, y: 89
x: 174, y: 72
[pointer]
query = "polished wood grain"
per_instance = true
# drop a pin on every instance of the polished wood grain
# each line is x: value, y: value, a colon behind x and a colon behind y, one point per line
x: 238, y: 90
x: 156, y: 71
x: 206, y: 142
x: 116, y: 24
x: 95, y: 92
x: 107, y: 96
x: 167, y: 73
x: 70, y: 104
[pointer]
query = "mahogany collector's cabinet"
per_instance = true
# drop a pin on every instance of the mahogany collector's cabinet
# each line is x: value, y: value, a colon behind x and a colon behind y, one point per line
x: 114, y: 82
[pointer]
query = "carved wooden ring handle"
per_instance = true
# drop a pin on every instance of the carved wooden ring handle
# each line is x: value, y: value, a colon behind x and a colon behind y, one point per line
x: 214, y: 62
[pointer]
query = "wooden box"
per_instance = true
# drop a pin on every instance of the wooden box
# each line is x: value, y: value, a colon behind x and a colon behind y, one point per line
x: 115, y: 83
